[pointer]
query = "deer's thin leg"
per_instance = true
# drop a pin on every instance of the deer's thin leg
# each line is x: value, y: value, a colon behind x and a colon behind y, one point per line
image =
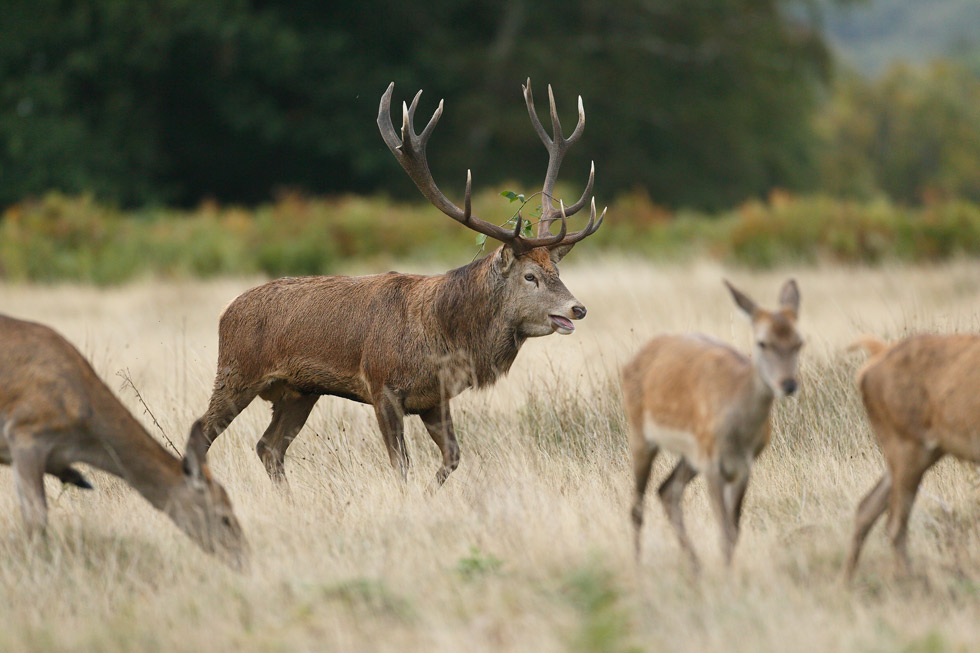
x: 289, y: 413
x: 225, y: 406
x: 716, y: 496
x: 391, y: 419
x: 439, y: 424
x: 28, y: 464
x: 671, y: 492
x: 868, y: 512
x: 734, y: 497
x: 906, y: 475
x: 644, y: 454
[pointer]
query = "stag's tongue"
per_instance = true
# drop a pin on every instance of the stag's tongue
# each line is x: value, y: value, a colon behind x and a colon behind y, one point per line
x: 562, y: 325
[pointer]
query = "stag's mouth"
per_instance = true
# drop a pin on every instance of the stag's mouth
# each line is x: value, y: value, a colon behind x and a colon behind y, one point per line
x: 561, y: 324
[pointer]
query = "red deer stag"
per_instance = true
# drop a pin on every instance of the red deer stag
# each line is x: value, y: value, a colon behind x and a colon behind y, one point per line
x: 709, y: 404
x: 404, y: 343
x: 921, y: 398
x: 55, y: 411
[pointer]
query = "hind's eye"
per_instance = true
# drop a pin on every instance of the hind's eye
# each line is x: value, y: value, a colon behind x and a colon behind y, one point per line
x: 226, y: 521
x: 761, y: 344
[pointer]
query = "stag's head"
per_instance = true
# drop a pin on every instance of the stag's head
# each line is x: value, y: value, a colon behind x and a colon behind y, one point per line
x: 526, y: 266
x: 777, y: 342
x: 201, y: 508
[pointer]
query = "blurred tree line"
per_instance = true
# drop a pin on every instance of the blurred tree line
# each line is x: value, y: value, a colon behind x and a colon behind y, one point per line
x: 702, y: 103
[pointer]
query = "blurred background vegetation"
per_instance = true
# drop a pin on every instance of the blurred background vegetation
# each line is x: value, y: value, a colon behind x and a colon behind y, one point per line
x: 238, y: 136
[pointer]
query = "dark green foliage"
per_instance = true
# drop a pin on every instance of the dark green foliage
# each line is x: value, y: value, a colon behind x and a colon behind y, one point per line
x: 704, y: 103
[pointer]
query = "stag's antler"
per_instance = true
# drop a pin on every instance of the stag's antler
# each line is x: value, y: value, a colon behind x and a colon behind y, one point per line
x: 409, y: 150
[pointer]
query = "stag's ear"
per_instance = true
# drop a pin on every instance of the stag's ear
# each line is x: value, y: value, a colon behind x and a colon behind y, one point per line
x: 789, y: 297
x: 195, y: 456
x: 743, y: 301
x: 504, y: 259
x: 558, y: 253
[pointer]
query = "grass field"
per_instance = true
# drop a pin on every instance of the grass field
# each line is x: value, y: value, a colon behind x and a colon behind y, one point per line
x: 527, y: 547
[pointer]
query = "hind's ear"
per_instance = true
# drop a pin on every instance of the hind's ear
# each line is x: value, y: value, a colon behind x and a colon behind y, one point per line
x: 789, y: 297
x: 743, y: 301
x: 195, y: 456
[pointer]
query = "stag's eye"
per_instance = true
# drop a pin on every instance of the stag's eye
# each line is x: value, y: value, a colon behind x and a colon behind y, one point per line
x: 226, y: 521
x: 530, y: 277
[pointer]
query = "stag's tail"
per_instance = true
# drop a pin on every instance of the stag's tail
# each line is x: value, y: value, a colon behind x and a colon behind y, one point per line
x: 73, y: 476
x: 871, y: 344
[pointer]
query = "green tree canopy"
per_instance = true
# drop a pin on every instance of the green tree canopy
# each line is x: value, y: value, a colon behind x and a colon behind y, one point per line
x: 702, y: 102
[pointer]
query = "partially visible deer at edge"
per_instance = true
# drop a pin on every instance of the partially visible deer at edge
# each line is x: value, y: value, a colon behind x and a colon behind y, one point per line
x: 55, y: 411
x: 404, y: 343
x: 708, y: 403
x: 921, y: 398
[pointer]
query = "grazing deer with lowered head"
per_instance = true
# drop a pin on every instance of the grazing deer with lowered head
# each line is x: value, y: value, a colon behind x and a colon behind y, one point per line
x: 921, y: 398
x: 55, y: 411
x: 709, y: 404
x: 404, y: 343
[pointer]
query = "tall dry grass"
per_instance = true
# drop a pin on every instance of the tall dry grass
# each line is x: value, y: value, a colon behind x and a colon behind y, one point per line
x: 527, y: 546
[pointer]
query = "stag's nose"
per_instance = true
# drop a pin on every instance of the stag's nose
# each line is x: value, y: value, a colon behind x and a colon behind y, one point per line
x: 789, y: 386
x: 578, y: 312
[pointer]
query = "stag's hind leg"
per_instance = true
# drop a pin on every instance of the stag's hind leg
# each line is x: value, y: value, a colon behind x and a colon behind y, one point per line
x: 225, y: 405
x: 28, y: 464
x: 391, y: 420
x: 439, y: 424
x: 290, y: 411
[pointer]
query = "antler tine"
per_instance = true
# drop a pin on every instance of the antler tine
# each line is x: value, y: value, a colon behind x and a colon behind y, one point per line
x: 555, y: 123
x: 577, y: 206
x: 409, y: 151
x: 590, y: 228
x: 535, y: 121
x: 384, y: 120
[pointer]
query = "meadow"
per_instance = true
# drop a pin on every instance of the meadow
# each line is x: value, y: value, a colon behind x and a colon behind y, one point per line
x: 528, y: 544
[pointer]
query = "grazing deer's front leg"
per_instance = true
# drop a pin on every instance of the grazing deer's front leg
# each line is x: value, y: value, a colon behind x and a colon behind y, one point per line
x: 225, y: 406
x: 28, y: 463
x: 391, y: 419
x: 289, y: 414
x: 438, y: 422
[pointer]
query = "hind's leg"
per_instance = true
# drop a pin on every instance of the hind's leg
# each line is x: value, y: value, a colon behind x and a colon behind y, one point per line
x: 671, y: 492
x: 907, y: 468
x: 289, y: 412
x: 643, y: 455
x: 868, y: 512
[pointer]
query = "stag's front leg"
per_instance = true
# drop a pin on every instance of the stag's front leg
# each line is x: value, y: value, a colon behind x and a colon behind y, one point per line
x: 439, y: 423
x: 391, y: 419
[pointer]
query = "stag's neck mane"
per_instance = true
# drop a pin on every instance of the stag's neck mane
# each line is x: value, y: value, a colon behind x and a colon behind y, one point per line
x: 475, y: 323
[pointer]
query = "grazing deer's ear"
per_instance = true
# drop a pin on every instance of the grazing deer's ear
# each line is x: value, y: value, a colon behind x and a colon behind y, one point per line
x: 504, y: 259
x: 742, y: 300
x: 558, y: 253
x: 195, y: 456
x: 789, y: 297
